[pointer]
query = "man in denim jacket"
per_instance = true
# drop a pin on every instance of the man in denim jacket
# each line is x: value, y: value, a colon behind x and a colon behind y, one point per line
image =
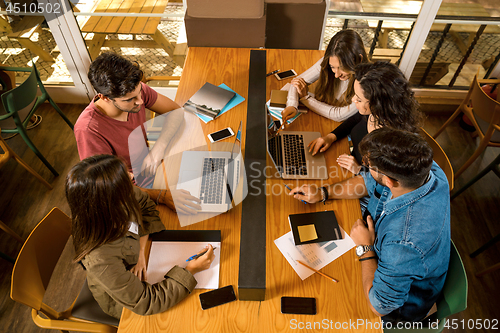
x: 404, y: 245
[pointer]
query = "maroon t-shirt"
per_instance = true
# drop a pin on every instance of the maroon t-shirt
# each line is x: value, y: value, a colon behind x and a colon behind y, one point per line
x: 99, y: 134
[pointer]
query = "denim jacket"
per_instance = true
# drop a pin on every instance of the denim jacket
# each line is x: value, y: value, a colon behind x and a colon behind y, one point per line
x: 412, y: 244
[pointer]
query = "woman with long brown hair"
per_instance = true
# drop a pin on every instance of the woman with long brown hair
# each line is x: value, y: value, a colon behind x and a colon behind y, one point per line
x: 111, y: 222
x: 383, y: 97
x: 334, y: 72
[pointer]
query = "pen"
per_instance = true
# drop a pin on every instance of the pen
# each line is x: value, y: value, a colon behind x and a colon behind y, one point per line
x: 196, y: 256
x: 300, y: 262
x: 273, y: 72
x: 289, y: 189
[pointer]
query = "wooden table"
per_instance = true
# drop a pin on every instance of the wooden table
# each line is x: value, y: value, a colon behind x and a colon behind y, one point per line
x: 342, y: 303
x: 413, y: 7
x: 100, y: 26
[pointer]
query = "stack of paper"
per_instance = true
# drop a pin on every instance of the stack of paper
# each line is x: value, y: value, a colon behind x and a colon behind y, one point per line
x: 315, y: 255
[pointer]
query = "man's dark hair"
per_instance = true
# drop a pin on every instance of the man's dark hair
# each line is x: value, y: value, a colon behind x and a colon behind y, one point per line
x: 401, y: 155
x: 114, y: 76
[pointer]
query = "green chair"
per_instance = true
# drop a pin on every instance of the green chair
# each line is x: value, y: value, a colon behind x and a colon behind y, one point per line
x: 20, y: 103
x: 453, y: 298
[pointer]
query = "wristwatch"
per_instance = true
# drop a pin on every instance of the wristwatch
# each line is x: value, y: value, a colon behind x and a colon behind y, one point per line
x: 362, y: 249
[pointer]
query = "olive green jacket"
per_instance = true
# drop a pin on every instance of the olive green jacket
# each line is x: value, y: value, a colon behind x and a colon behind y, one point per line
x: 113, y: 285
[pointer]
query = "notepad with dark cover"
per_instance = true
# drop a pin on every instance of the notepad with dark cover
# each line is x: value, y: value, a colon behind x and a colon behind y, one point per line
x: 325, y: 223
x: 186, y: 236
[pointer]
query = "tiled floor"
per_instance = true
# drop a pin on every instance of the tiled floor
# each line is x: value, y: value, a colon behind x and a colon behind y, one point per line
x: 157, y: 61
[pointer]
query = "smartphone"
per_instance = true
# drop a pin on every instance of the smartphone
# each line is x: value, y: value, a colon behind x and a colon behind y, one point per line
x: 285, y: 75
x: 298, y: 305
x: 220, y: 135
x: 217, y: 297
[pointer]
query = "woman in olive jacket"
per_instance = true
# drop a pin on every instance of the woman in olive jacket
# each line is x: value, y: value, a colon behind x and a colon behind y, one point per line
x: 111, y: 222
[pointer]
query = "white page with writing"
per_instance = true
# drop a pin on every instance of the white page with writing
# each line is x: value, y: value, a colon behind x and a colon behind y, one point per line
x: 315, y: 255
x: 165, y: 255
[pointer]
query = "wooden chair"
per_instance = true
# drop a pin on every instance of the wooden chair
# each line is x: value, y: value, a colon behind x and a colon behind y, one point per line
x: 20, y: 103
x: 484, y: 113
x: 32, y: 272
x: 440, y: 158
x: 8, y: 153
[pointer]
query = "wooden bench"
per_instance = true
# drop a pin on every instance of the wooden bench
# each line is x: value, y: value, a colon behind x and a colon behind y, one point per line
x: 413, y: 7
x: 22, y: 32
x: 437, y: 72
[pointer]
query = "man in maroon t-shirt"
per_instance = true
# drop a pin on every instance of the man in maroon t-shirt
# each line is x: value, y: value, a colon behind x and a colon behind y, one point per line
x: 118, y: 109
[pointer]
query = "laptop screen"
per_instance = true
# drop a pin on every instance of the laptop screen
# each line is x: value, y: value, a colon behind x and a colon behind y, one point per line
x: 273, y: 140
x: 235, y: 151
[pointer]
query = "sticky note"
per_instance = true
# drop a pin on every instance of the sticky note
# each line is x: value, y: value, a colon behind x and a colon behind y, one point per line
x: 307, y: 232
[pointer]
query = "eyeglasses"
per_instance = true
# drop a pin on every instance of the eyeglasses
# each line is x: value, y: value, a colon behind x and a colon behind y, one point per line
x: 365, y: 164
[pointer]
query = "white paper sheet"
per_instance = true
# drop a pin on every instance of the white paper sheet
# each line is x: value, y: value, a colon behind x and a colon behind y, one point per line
x: 165, y: 255
x: 315, y: 255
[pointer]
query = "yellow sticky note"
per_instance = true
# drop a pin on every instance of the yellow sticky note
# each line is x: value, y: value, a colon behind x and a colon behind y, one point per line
x: 307, y: 232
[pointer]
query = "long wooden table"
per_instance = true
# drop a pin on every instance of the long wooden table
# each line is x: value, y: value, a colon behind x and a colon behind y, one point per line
x: 341, y: 304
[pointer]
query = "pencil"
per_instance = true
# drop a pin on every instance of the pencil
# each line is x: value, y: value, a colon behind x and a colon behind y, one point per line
x: 330, y: 278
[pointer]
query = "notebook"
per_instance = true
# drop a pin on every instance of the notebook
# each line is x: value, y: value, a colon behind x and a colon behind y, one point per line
x: 290, y: 155
x: 173, y: 247
x: 209, y: 100
x: 314, y: 227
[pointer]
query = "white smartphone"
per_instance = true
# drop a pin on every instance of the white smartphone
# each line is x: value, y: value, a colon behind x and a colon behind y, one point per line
x: 285, y: 75
x: 220, y: 135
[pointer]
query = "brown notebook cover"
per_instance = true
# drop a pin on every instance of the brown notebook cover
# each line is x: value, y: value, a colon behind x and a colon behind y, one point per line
x: 278, y: 98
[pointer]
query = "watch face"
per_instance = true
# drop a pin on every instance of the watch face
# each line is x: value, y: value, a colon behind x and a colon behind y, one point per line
x: 359, y: 250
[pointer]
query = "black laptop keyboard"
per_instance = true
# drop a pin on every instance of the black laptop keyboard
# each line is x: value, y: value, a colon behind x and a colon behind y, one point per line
x: 295, y: 158
x: 213, y: 181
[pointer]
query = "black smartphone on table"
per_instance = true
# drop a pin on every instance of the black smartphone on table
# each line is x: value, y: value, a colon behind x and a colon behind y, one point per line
x: 285, y: 75
x: 298, y: 305
x: 217, y: 297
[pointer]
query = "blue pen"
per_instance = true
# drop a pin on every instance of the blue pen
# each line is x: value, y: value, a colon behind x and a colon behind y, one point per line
x: 196, y: 256
x: 289, y: 189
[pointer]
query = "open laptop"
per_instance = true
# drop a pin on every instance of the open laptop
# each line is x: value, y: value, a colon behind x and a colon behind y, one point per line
x: 290, y: 155
x: 212, y: 176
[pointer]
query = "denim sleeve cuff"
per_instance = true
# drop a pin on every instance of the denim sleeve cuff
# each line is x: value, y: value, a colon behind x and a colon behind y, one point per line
x: 376, y: 303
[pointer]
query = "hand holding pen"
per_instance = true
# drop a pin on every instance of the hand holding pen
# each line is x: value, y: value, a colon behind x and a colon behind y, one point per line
x: 202, y: 261
x: 289, y: 189
x: 196, y: 256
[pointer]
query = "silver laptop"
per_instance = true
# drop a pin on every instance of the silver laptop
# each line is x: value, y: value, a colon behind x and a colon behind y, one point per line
x: 289, y: 152
x: 212, y: 176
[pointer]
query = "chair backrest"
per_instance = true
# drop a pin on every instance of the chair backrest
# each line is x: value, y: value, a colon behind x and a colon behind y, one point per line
x: 454, y: 295
x: 38, y: 257
x: 485, y: 107
x: 453, y: 298
x: 440, y: 158
x: 19, y: 101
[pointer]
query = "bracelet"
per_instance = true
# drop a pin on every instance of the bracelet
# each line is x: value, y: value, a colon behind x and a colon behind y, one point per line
x: 368, y: 258
x: 324, y: 195
x: 158, y: 199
